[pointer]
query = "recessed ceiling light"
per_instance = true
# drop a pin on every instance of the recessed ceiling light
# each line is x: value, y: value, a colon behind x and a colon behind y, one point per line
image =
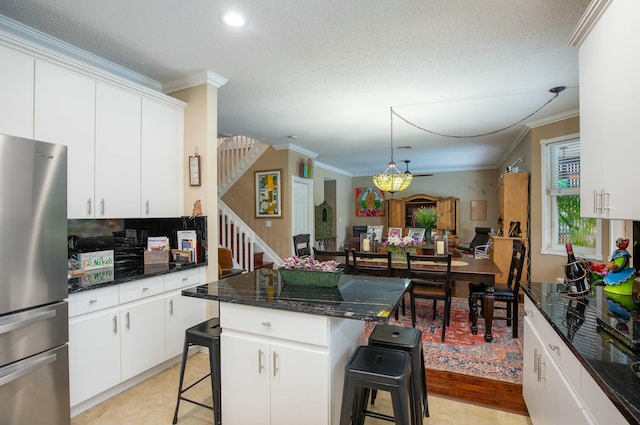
x: 233, y: 19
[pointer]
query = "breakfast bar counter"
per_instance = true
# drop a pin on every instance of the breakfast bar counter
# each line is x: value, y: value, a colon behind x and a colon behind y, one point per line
x: 284, y: 347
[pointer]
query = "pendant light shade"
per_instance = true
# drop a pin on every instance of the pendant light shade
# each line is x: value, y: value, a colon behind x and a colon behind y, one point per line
x: 392, y: 180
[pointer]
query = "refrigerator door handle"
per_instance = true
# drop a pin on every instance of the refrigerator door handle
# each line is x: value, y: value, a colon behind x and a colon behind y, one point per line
x: 22, y: 322
x: 14, y: 374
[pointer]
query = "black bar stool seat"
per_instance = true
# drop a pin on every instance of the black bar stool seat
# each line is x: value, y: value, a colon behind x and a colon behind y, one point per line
x: 205, y: 334
x: 379, y: 369
x: 409, y: 340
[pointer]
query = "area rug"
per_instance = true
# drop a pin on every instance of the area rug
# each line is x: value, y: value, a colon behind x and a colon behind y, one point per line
x: 463, y: 352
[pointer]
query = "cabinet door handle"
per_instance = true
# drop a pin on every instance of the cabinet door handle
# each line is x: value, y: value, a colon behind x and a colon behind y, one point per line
x: 146, y: 207
x: 115, y: 324
x: 606, y: 200
x: 275, y: 363
x: 89, y: 206
x: 128, y: 320
x: 184, y: 279
x: 267, y: 324
x: 540, y: 373
x: 535, y: 361
x: 171, y: 307
x: 595, y: 201
x: 554, y: 348
x: 102, y: 206
x: 260, y: 361
x: 93, y: 301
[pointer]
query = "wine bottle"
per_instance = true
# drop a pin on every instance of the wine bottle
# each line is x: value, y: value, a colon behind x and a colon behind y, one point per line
x: 573, y: 271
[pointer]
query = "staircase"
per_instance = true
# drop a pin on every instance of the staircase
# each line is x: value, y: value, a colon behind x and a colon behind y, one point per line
x: 235, y: 156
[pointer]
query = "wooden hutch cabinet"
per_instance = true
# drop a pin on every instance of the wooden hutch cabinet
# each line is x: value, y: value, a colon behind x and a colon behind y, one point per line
x: 513, y: 206
x: 400, y: 212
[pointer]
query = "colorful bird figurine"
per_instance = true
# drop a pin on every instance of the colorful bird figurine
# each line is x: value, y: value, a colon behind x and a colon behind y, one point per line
x: 619, y: 280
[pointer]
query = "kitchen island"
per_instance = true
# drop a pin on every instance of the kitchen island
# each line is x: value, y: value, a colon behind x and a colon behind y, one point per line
x: 284, y: 346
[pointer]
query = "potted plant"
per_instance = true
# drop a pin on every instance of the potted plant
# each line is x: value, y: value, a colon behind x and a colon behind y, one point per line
x: 425, y: 217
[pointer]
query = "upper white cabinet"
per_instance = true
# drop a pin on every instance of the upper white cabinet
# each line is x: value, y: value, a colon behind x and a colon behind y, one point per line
x: 117, y: 158
x: 162, y: 127
x: 65, y: 113
x: 16, y: 86
x: 609, y: 106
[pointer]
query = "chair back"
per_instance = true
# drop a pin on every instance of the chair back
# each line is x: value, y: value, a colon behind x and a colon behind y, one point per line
x: 359, y: 229
x: 362, y: 263
x: 517, y: 264
x: 302, y: 244
x: 482, y: 237
x: 341, y: 257
x: 430, y: 271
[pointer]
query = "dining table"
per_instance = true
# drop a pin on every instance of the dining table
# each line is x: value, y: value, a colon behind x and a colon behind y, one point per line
x: 482, y: 270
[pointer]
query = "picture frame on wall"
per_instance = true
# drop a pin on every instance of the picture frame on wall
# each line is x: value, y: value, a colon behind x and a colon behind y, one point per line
x: 194, y: 170
x: 268, y: 188
x: 369, y: 202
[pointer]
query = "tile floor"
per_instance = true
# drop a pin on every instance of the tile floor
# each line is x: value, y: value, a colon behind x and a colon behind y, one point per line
x: 152, y: 402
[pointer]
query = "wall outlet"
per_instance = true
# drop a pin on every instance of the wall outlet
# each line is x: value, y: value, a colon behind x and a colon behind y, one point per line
x: 268, y: 223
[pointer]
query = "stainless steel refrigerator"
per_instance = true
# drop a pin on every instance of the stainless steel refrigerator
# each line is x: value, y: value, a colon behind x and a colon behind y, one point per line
x: 34, y: 361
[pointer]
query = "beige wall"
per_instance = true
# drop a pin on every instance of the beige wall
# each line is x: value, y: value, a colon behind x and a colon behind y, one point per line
x: 241, y: 199
x: 200, y: 135
x: 466, y: 185
x: 544, y: 267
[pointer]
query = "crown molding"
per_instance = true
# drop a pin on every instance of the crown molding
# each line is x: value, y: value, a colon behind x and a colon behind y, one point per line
x: 295, y: 148
x: 40, y: 44
x: 595, y: 9
x: 333, y: 169
x: 199, y: 78
x: 553, y: 118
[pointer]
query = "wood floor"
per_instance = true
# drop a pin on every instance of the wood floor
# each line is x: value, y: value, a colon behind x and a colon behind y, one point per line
x: 484, y: 392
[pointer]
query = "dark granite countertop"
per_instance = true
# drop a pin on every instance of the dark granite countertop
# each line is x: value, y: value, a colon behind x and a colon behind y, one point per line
x: 593, y: 327
x: 355, y: 297
x: 126, y: 272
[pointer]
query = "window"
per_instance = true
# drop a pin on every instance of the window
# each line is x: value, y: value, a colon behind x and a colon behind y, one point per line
x: 561, y: 218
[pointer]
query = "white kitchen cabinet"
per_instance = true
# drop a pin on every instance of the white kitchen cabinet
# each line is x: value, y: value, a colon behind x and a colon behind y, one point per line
x: 609, y: 59
x: 161, y: 175
x: 289, y: 365
x: 120, y: 332
x: 16, y: 86
x: 142, y: 336
x: 117, y: 152
x: 65, y: 114
x: 94, y: 343
x: 557, y: 389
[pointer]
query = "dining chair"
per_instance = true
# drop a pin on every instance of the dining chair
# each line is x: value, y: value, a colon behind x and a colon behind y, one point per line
x: 430, y: 279
x: 302, y: 244
x: 341, y: 257
x: 506, y: 294
x: 364, y: 263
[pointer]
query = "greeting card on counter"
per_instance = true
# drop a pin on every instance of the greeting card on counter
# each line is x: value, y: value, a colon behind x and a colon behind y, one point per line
x: 157, y: 243
x: 188, y: 241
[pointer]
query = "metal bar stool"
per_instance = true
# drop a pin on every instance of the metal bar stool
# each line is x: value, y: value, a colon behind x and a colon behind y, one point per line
x: 377, y: 368
x: 409, y: 340
x: 205, y: 334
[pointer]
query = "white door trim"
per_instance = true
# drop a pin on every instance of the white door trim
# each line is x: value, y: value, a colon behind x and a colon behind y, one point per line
x: 310, y: 213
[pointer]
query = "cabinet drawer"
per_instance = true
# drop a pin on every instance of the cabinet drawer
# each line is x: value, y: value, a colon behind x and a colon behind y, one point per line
x: 139, y: 289
x: 93, y: 300
x: 173, y: 281
x: 299, y: 327
x: 534, y: 315
x: 560, y: 352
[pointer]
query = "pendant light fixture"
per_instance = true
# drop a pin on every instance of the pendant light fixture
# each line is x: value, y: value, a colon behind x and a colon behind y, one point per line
x: 392, y: 180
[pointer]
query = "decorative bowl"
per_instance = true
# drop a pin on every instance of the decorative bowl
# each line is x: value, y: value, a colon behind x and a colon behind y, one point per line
x: 310, y: 277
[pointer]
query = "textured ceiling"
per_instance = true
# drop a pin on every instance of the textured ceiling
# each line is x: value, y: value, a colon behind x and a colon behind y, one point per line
x: 328, y: 71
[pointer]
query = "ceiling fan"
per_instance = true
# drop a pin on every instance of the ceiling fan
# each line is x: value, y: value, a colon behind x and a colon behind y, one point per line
x: 406, y: 162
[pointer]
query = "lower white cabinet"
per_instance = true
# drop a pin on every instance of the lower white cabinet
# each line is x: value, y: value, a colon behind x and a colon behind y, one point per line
x: 121, y: 331
x: 94, y: 353
x: 288, y: 366
x: 557, y: 389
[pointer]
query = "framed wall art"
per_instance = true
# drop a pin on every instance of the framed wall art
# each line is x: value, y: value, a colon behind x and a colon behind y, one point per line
x: 268, y: 194
x: 369, y: 202
x: 194, y: 170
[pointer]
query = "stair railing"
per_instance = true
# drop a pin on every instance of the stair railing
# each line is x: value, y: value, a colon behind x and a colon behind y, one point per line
x: 235, y: 156
x: 236, y: 235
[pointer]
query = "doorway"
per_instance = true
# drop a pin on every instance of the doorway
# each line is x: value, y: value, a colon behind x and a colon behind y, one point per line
x: 301, y: 207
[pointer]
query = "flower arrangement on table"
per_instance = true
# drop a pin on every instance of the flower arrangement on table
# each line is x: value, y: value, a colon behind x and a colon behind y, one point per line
x: 310, y: 272
x: 399, y: 246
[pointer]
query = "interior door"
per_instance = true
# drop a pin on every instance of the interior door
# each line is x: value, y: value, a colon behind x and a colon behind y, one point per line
x: 301, y: 207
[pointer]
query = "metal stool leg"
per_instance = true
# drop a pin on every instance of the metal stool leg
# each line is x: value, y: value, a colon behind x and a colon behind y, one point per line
x: 185, y: 351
